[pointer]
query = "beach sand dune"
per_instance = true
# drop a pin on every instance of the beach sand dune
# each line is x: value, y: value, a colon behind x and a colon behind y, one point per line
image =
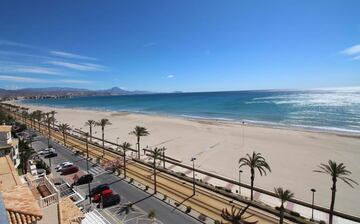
x: 292, y: 154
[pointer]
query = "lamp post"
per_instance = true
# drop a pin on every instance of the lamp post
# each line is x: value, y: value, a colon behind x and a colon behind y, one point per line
x: 193, y: 160
x: 312, y: 204
x: 240, y: 171
x: 117, y: 144
x: 87, y: 161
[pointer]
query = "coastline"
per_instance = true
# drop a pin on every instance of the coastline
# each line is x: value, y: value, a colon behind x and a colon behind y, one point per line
x: 219, y: 144
x: 225, y: 121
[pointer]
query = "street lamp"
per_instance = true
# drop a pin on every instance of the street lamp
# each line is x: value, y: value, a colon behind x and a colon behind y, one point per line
x: 193, y: 160
x: 87, y: 160
x: 240, y: 171
x: 312, y: 204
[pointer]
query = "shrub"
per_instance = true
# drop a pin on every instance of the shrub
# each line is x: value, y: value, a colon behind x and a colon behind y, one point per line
x: 202, y: 217
x: 322, y: 222
x: 188, y: 209
x: 146, y: 187
x: 217, y: 222
x: 177, y: 204
x: 165, y: 197
x: 131, y: 180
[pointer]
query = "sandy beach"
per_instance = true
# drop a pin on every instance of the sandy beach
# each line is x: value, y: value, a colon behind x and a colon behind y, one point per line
x: 292, y: 154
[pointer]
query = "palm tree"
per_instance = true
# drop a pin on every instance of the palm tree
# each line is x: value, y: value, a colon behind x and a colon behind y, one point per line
x: 103, y: 122
x: 256, y: 161
x: 64, y: 128
x: 25, y: 152
x: 38, y: 115
x: 91, y: 124
x: 49, y: 121
x: 25, y: 115
x: 335, y: 171
x: 32, y: 119
x: 139, y: 132
x: 53, y: 112
x: 125, y: 146
x: 157, y: 153
x: 236, y: 216
x: 284, y: 196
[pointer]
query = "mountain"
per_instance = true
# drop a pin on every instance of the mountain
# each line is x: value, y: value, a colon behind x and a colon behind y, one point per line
x: 59, y: 92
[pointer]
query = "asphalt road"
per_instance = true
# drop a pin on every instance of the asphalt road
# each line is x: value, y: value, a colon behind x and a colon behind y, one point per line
x: 128, y: 192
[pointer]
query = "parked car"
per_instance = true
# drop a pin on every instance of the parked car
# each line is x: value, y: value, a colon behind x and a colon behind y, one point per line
x: 87, y: 178
x: 98, y: 189
x: 46, y: 151
x: 50, y: 155
x: 63, y: 165
x: 110, y: 201
x: 102, y: 195
x: 70, y: 170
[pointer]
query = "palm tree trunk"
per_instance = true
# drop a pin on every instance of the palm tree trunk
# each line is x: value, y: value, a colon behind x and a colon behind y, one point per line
x: 138, y: 144
x: 49, y: 135
x: 281, y: 214
x: 155, y: 190
x: 90, y: 133
x: 252, y: 184
x: 103, y: 140
x: 124, y: 156
x: 332, y: 204
x: 64, y: 139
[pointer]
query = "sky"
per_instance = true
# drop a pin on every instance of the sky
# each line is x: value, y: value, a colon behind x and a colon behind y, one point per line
x: 177, y: 45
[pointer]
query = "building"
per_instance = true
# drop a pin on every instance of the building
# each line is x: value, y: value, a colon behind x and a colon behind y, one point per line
x: 9, y: 145
x: 24, y: 200
x: 17, y: 200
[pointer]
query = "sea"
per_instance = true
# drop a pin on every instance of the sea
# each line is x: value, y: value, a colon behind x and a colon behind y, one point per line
x: 334, y: 110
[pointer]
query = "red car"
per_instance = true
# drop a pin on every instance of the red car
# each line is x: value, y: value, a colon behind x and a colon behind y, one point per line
x: 69, y: 170
x: 102, y: 195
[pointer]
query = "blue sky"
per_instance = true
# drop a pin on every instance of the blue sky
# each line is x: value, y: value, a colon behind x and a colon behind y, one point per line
x: 180, y: 45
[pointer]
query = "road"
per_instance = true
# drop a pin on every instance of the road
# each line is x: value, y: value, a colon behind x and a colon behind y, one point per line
x: 128, y: 192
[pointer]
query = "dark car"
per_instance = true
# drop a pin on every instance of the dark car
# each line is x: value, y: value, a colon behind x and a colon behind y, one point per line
x: 50, y: 155
x: 110, y: 201
x: 70, y: 170
x: 98, y: 189
x: 87, y: 178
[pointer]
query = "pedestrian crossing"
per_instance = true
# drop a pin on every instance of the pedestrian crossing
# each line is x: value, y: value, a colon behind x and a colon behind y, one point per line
x: 96, y: 171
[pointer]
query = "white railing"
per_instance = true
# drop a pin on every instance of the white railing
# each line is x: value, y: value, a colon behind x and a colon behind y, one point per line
x: 49, y: 200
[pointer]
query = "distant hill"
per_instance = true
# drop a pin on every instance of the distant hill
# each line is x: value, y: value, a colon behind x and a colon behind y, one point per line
x: 60, y: 92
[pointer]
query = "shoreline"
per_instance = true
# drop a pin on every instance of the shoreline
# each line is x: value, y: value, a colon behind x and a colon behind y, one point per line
x: 262, y: 124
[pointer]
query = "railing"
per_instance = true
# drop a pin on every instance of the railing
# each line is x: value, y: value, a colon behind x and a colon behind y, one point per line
x: 49, y: 200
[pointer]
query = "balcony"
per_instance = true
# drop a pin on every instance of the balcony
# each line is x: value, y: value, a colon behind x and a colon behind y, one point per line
x: 44, y: 191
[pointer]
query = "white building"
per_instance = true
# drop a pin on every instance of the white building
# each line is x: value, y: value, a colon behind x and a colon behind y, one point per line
x: 8, y: 145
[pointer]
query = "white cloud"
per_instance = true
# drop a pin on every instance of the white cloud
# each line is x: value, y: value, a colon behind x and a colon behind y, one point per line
x: 15, y: 44
x: 78, y: 66
x: 170, y: 76
x: 70, y: 55
x: 21, y: 79
x: 29, y: 69
x: 354, y: 50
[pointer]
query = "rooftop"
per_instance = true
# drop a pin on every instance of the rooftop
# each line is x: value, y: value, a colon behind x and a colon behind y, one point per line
x: 20, y: 204
x: 8, y: 174
x: 69, y: 212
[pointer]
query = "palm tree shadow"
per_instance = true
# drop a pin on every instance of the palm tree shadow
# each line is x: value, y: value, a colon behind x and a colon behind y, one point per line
x: 129, y: 206
x: 177, y: 206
